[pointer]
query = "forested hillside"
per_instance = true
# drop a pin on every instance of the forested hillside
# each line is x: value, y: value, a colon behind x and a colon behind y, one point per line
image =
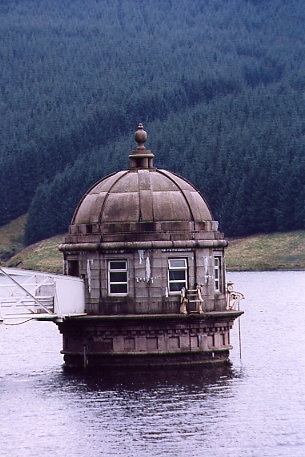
x: 218, y: 84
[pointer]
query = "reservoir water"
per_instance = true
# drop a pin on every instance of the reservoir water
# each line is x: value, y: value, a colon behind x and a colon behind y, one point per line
x: 253, y: 408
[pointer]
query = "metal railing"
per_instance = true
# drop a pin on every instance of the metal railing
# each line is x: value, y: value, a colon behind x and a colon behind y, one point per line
x: 233, y: 298
x: 26, y: 295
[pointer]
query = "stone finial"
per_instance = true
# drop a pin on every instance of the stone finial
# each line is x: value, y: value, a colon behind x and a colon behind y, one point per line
x: 141, y: 157
x: 140, y: 136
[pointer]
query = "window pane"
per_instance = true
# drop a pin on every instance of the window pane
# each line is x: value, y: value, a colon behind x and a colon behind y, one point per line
x: 177, y: 263
x: 73, y: 268
x: 217, y: 273
x: 176, y: 275
x: 118, y: 277
x: 117, y: 265
x: 176, y: 286
x: 118, y: 288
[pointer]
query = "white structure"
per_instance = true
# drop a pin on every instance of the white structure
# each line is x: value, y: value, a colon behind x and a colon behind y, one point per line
x: 26, y: 294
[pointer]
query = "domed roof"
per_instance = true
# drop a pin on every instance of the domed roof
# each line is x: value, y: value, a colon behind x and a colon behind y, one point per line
x: 142, y: 208
x: 141, y: 195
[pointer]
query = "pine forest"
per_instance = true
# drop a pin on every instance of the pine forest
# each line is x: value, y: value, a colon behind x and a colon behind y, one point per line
x: 218, y: 84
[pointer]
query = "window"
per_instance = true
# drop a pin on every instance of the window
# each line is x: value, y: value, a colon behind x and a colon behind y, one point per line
x: 217, y: 273
x: 177, y: 274
x: 117, y: 277
x: 73, y: 268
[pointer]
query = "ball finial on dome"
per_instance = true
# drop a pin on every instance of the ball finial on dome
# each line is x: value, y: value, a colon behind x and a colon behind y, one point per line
x: 140, y: 136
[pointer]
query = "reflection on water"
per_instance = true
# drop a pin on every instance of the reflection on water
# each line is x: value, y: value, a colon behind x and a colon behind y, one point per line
x: 252, y: 408
x: 118, y: 413
x: 190, y: 378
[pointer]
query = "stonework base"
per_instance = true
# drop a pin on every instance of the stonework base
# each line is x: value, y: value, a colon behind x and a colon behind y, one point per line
x: 147, y: 340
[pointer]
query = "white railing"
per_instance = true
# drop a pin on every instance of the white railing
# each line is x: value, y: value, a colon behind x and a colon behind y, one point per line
x: 36, y: 295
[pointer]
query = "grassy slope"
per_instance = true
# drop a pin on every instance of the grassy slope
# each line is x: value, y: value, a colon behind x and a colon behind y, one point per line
x: 278, y: 251
x: 11, y: 236
x: 41, y: 256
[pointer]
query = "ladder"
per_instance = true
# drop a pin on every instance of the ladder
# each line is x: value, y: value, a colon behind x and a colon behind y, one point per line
x: 191, y: 296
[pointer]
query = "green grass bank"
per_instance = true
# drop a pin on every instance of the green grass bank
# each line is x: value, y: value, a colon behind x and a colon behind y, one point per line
x: 276, y: 251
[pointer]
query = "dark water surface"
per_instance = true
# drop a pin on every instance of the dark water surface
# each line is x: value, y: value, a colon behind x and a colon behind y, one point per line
x: 253, y: 408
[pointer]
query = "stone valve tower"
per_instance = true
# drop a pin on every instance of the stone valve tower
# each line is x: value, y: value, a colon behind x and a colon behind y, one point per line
x: 152, y: 259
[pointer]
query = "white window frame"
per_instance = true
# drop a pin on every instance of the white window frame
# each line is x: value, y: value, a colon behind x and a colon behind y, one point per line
x: 117, y: 270
x: 218, y: 273
x: 184, y: 268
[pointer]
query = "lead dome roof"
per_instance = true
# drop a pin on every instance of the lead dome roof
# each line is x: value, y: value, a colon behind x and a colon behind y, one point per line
x: 141, y: 194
